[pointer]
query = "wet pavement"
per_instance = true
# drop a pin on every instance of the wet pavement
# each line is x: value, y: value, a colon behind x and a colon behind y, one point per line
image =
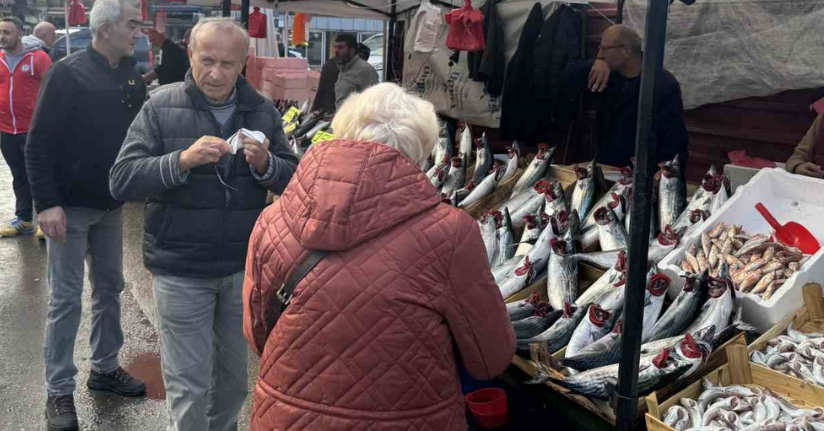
x: 23, y: 304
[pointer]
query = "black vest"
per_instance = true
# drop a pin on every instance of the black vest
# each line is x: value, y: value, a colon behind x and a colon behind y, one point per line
x: 202, y: 229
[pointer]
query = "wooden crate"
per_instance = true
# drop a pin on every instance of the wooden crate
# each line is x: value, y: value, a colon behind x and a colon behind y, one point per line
x: 808, y: 318
x: 737, y: 371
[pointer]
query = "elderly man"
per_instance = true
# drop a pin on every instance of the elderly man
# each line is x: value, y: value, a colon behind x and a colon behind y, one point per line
x: 615, y: 79
x: 43, y: 37
x: 202, y: 199
x: 808, y: 156
x: 356, y: 74
x: 174, y: 64
x: 86, y: 105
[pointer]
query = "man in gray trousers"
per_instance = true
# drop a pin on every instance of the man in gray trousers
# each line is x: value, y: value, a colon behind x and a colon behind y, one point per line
x: 202, y: 201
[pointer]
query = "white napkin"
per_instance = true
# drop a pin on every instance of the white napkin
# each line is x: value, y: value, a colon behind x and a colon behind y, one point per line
x: 236, y: 143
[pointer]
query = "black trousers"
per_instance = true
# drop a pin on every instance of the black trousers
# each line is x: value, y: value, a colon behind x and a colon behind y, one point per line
x: 13, y: 147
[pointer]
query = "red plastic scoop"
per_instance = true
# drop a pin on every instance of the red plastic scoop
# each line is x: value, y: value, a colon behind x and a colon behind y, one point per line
x: 791, y: 234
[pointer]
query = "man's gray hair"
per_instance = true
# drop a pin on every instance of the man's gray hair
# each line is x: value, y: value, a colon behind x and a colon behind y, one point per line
x: 629, y: 37
x: 222, y: 23
x: 107, y: 12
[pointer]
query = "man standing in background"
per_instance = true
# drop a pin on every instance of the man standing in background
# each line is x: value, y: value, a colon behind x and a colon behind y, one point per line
x: 87, y: 103
x: 24, y: 67
x: 355, y: 75
x: 174, y: 62
x: 43, y: 36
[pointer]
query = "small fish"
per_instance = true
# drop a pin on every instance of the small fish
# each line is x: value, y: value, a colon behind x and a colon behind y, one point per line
x: 764, y: 283
x: 536, y: 170
x: 703, y: 263
x: 611, y: 233
x: 583, y: 194
x: 705, y: 243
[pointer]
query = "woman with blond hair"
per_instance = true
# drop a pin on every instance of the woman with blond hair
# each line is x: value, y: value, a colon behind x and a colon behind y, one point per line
x: 374, y: 333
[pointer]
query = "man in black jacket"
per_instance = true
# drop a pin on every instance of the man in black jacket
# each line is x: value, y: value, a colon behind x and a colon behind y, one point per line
x: 85, y: 107
x: 203, y: 197
x: 174, y: 63
x: 615, y: 80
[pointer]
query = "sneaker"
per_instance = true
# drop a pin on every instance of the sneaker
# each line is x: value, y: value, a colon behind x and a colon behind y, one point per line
x: 17, y: 227
x: 39, y: 234
x: 118, y: 381
x: 61, y: 414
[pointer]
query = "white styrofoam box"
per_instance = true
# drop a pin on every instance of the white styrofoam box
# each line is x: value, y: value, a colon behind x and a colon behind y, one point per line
x: 740, y: 175
x: 789, y: 197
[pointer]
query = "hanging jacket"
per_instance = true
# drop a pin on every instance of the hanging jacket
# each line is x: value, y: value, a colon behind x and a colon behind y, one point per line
x: 77, y: 13
x: 19, y: 88
x: 558, y: 44
x: 373, y: 335
x: 516, y: 119
x: 257, y: 24
x: 489, y: 66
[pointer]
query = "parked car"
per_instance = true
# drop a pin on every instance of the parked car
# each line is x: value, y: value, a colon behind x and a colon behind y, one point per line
x: 80, y: 39
x: 375, y: 45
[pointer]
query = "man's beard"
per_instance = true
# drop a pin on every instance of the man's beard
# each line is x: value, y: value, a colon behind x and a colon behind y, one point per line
x: 8, y: 46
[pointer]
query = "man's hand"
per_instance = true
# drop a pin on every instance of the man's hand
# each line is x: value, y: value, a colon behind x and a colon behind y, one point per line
x: 810, y: 169
x: 599, y: 76
x: 205, y: 150
x: 257, y: 155
x: 53, y: 223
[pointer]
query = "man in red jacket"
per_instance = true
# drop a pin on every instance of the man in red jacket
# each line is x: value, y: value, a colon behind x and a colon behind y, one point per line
x: 23, y: 68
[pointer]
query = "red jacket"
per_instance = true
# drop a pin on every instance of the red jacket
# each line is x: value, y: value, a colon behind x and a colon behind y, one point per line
x: 374, y: 333
x: 19, y: 89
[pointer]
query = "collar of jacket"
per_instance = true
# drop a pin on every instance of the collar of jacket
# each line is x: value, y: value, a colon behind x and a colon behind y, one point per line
x: 247, y: 97
x: 126, y: 63
x: 346, y: 67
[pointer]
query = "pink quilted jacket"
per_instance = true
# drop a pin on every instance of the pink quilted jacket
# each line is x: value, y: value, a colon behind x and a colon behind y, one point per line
x: 373, y: 335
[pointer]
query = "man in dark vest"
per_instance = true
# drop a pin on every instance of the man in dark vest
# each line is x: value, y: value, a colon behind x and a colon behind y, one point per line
x: 203, y: 197
x: 808, y: 157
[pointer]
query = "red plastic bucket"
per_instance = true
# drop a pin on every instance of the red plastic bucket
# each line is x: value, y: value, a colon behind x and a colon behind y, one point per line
x: 488, y: 407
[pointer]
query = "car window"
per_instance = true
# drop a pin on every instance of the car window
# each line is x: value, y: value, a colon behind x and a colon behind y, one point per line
x: 375, y: 44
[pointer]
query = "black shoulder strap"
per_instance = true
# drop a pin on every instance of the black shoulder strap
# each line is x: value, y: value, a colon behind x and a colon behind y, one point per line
x: 286, y: 290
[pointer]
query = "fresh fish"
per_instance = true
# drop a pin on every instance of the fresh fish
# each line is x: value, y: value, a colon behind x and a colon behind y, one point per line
x: 540, y: 252
x: 483, y: 159
x: 512, y: 163
x: 500, y: 272
x: 683, y: 310
x: 489, y: 227
x: 562, y: 282
x: 601, y: 352
x: 534, y: 225
x: 505, y: 241
x: 524, y: 308
x: 701, y: 199
x: 445, y: 148
x: 620, y: 187
x: 602, y: 287
x: 517, y: 200
x: 483, y: 189
x: 678, y: 418
x: 600, y: 383
x: 718, y: 308
x: 583, y: 195
x: 306, y: 126
x: 602, y: 259
x: 755, y: 245
x: 322, y: 125
x: 610, y: 232
x: 670, y: 194
x: 666, y: 242
x: 657, y: 285
x: 296, y: 147
x: 535, y: 325
x: 437, y: 175
x: 516, y: 280
x: 597, y: 324
x: 455, y: 178
x: 719, y: 199
x: 555, y: 201
x: 536, y: 170
x: 465, y: 145
x: 559, y: 334
x: 532, y: 206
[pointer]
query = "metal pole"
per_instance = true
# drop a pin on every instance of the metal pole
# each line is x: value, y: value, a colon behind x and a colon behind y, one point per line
x: 227, y: 8
x: 619, y: 17
x: 645, y: 157
x: 68, y: 29
x: 244, y: 13
x: 388, y: 64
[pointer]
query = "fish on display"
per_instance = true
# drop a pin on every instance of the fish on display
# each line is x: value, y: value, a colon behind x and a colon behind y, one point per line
x: 536, y: 324
x: 562, y: 280
x: 671, y: 199
x: 534, y: 205
x: 517, y: 280
x: 718, y: 308
x: 518, y: 200
x: 540, y: 252
x: 619, y: 188
x: 664, y: 243
x: 611, y: 233
x: 500, y: 272
x: 534, y: 225
x: 455, y: 178
x: 583, y: 194
x: 483, y: 159
x: 524, y: 308
x: 721, y: 197
x: 504, y: 247
x: 604, y: 285
x: 604, y: 351
x: 296, y: 147
x: 437, y: 174
x: 701, y: 199
x: 559, y: 334
x: 465, y: 146
x: 536, y: 170
x: 597, y: 324
x: 602, y: 259
x: 657, y: 285
x: 513, y: 154
x: 306, y: 126
x: 683, y: 311
x: 322, y: 125
x: 555, y: 201
x: 483, y: 189
x: 489, y: 228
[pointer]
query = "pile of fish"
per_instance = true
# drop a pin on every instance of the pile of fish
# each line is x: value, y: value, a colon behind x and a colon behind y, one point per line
x: 758, y: 265
x: 739, y: 408
x: 796, y: 354
x: 449, y: 172
x: 303, y: 127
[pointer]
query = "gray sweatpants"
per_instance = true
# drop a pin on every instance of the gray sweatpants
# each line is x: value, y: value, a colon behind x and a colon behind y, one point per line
x: 203, y: 353
x: 94, y: 236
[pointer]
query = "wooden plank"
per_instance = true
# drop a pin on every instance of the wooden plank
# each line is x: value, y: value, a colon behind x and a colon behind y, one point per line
x: 814, y: 300
x: 652, y: 405
x: 796, y: 389
x: 738, y: 362
x: 797, y: 317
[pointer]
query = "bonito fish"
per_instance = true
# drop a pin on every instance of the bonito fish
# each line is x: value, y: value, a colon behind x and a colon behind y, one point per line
x: 465, y: 146
x: 620, y: 187
x: 683, y: 311
x: 671, y: 200
x: 605, y: 283
x: 562, y: 282
x: 559, y: 334
x: 482, y: 190
x: 666, y: 242
x: 718, y: 308
x: 512, y: 163
x: 583, y: 195
x: 516, y: 280
x: 489, y: 227
x: 536, y: 170
x: 597, y: 324
x: 505, y: 241
x: 455, y: 178
x: 610, y: 232
x: 555, y: 201
x: 483, y: 159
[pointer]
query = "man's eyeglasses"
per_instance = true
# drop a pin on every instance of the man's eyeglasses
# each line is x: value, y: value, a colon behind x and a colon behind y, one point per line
x: 607, y: 48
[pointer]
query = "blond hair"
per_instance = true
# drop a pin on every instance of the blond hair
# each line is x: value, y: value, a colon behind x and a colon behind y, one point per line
x: 386, y: 114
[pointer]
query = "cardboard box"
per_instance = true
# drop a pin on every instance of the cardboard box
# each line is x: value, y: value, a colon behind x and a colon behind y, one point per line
x: 291, y: 81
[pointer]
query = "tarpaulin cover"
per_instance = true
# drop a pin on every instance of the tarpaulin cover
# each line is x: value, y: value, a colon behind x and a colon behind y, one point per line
x: 723, y: 50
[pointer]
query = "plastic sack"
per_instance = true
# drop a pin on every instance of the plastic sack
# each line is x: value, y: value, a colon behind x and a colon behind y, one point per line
x: 257, y: 24
x: 77, y: 13
x: 466, y: 29
x: 428, y: 20
x: 740, y: 158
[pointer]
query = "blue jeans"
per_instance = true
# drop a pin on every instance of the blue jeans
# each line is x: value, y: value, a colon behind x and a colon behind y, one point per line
x: 203, y: 354
x: 96, y: 237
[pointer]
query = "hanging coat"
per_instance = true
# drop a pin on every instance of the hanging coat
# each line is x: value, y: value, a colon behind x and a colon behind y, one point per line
x: 489, y: 65
x: 558, y: 44
x: 299, y: 28
x: 516, y: 121
x: 77, y: 13
x: 257, y: 24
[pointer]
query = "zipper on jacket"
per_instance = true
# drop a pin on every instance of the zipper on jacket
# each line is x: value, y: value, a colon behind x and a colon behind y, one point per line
x: 11, y: 86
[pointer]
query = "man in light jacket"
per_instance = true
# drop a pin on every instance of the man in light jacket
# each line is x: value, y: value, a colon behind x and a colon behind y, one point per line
x: 202, y: 200
x: 355, y: 75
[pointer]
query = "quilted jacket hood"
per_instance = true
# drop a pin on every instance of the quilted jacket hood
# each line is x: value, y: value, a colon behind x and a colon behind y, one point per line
x: 347, y: 192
